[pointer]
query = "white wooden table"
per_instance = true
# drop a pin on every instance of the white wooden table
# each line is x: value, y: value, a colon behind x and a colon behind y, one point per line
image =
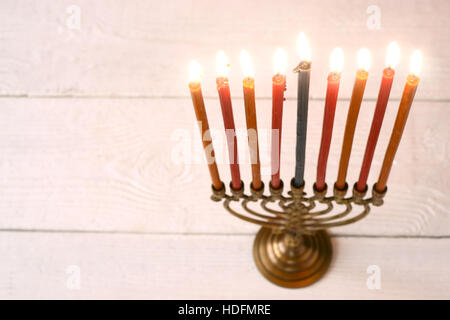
x: 92, y: 203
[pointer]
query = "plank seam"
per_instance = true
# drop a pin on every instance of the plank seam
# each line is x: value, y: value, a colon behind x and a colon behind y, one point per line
x: 112, y: 232
x: 145, y: 97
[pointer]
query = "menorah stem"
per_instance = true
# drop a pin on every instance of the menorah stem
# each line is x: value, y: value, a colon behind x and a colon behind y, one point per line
x: 292, y: 245
x: 292, y: 240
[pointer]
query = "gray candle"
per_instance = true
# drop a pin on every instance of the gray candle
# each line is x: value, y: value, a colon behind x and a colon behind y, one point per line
x: 303, y: 70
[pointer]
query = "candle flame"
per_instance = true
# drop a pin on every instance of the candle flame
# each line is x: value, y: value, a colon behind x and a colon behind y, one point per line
x: 393, y: 55
x: 416, y: 62
x: 222, y: 64
x: 304, y: 51
x: 195, y: 71
x: 364, y: 59
x: 247, y: 64
x: 279, y: 61
x: 337, y: 60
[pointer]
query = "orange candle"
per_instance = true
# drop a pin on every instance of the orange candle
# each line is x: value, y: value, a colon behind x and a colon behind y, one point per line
x: 278, y: 88
x: 202, y: 119
x: 393, y: 56
x: 250, y: 116
x: 223, y: 89
x: 352, y: 116
x: 412, y: 81
x: 337, y: 61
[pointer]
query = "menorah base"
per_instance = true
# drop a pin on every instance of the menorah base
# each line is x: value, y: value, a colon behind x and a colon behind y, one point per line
x: 292, y: 260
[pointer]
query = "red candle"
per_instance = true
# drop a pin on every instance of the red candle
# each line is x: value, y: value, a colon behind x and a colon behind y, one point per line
x: 278, y: 88
x: 227, y: 112
x: 337, y: 60
x: 393, y: 55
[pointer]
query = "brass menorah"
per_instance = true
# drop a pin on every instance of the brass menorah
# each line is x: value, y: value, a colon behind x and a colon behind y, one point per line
x: 293, y: 248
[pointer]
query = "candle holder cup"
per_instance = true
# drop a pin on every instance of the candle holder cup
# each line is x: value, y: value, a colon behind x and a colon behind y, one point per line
x: 293, y: 249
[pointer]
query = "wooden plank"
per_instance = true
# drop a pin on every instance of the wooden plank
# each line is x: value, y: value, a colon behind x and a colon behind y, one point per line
x: 113, y: 165
x: 45, y: 265
x: 141, y: 48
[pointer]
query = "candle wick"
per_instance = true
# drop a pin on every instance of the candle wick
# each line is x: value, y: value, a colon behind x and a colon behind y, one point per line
x: 302, y: 66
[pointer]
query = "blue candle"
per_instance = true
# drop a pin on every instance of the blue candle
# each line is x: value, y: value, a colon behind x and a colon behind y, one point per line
x: 304, y: 70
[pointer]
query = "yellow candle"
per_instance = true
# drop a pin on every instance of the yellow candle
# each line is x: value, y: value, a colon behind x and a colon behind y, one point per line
x: 352, y: 116
x: 250, y: 116
x: 412, y: 82
x: 200, y: 113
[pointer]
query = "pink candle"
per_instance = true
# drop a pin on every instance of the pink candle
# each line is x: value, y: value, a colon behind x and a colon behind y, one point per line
x: 337, y: 60
x: 223, y: 89
x: 278, y: 88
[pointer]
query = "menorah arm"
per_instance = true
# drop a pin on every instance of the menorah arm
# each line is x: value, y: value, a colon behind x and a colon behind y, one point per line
x: 327, y: 201
x: 296, y: 212
x: 278, y: 214
x: 269, y: 222
x: 323, y: 223
x: 264, y: 204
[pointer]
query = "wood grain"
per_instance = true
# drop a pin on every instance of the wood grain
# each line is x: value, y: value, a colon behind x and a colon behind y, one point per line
x: 36, y: 265
x: 142, y: 48
x: 101, y: 165
x: 116, y: 165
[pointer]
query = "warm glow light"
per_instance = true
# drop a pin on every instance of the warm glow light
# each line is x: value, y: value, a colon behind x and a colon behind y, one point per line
x: 364, y: 59
x: 416, y: 62
x: 222, y: 64
x: 337, y: 60
x: 393, y: 55
x: 195, y: 71
x: 247, y: 64
x: 303, y: 48
x: 279, y: 61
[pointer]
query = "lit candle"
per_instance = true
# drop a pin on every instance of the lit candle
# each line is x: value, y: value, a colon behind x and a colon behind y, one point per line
x: 412, y: 82
x: 278, y: 88
x: 337, y: 62
x: 304, y: 70
x: 200, y: 113
x: 393, y: 56
x: 250, y: 116
x: 227, y: 112
x: 352, y: 116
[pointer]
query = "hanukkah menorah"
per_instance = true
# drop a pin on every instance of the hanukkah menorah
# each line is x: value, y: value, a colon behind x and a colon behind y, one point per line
x: 292, y: 248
